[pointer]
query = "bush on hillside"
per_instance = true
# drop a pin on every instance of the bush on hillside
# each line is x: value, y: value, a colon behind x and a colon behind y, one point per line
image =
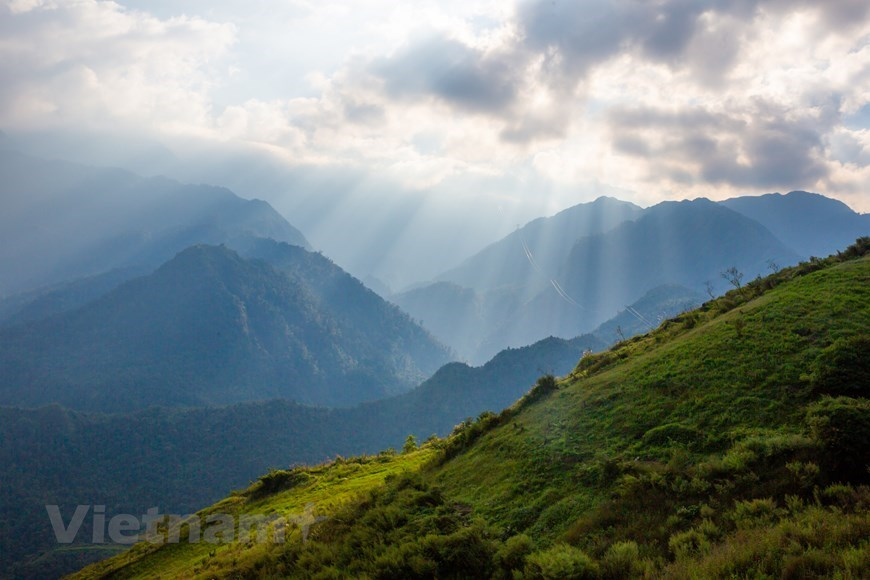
x: 842, y: 426
x: 561, y: 562
x: 512, y: 555
x: 280, y: 480
x: 667, y: 435
x: 843, y: 368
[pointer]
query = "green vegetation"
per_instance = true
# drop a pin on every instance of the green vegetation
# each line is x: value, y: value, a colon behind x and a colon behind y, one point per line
x: 710, y: 447
x: 182, y: 459
x: 329, y: 490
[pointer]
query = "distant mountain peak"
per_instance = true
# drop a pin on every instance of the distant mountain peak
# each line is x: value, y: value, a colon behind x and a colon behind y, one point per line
x: 120, y: 220
x: 810, y: 223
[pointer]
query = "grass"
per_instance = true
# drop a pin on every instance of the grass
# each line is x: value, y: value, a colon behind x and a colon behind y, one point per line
x: 328, y: 487
x: 712, y: 386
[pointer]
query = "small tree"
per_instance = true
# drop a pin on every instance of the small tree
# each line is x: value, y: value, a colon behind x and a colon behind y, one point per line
x: 733, y: 276
x: 773, y: 266
x: 708, y: 286
x: 619, y: 333
x: 410, y: 444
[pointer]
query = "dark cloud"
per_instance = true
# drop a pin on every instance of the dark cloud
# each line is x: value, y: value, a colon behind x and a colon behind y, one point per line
x: 763, y: 148
x: 575, y: 36
x: 777, y: 156
x: 453, y: 72
x: 572, y: 36
x: 663, y: 30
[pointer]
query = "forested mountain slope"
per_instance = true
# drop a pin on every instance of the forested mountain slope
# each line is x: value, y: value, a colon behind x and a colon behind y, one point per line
x: 210, y: 327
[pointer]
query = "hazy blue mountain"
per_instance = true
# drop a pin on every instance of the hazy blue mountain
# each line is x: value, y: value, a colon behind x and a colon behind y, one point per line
x: 673, y: 243
x: 465, y: 304
x: 685, y: 243
x: 809, y: 223
x: 181, y: 459
x: 458, y: 390
x: 210, y: 327
x: 61, y: 221
x: 534, y: 252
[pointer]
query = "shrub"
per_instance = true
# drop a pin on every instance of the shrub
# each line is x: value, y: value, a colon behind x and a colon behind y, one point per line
x: 465, y: 553
x: 858, y: 249
x: 754, y: 512
x: 279, y: 480
x: 843, y: 368
x: 592, y: 363
x: 543, y: 387
x: 805, y: 474
x: 812, y: 564
x: 622, y: 560
x: 561, y: 562
x: 665, y: 435
x: 467, y: 432
x: 410, y: 444
x: 842, y: 427
x: 695, y: 541
x: 845, y: 496
x: 512, y: 555
x: 403, y: 561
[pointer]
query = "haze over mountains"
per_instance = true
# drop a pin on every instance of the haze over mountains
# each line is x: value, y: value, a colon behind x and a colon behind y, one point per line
x: 544, y: 247
x: 62, y: 220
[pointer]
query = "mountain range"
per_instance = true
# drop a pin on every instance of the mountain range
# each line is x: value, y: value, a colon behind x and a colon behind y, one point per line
x: 808, y: 223
x: 210, y: 327
x: 566, y: 274
x: 732, y: 441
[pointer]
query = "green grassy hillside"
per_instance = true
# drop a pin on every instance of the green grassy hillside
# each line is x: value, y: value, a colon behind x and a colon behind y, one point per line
x: 730, y: 442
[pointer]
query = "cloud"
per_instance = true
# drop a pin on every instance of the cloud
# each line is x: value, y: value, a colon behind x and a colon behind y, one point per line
x: 571, y: 36
x: 761, y: 147
x: 91, y: 62
x: 666, y: 98
x: 448, y: 70
x: 555, y: 47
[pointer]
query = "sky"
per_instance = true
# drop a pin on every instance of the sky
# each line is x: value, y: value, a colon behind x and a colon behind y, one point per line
x: 452, y: 107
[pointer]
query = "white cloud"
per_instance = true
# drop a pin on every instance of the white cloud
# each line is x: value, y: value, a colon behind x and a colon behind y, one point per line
x: 88, y: 63
x: 439, y: 92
